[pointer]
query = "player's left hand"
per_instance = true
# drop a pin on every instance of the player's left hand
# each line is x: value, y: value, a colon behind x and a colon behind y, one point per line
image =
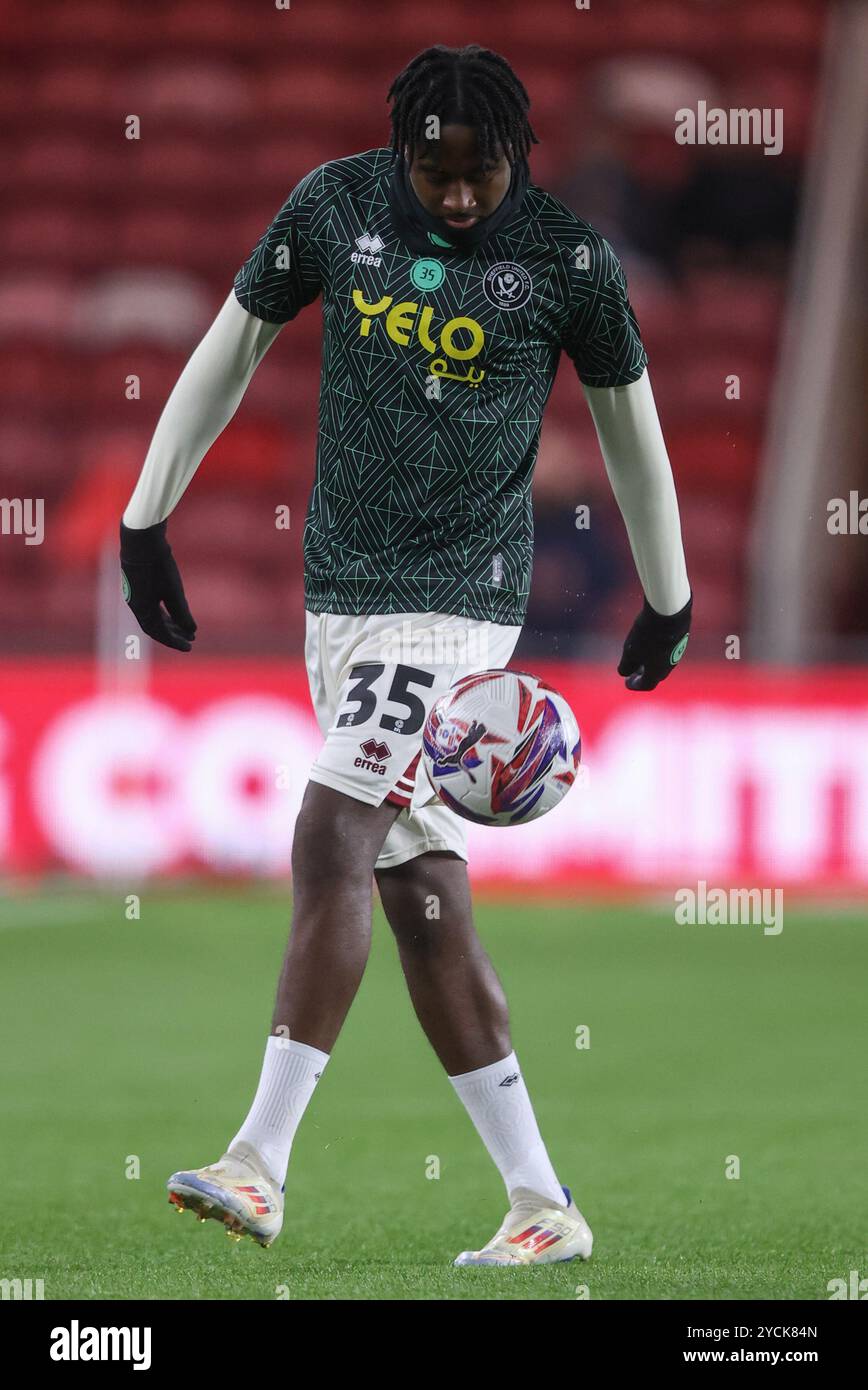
x: 654, y: 646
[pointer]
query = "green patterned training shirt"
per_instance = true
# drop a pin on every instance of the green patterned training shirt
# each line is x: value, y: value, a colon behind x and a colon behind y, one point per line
x: 435, y: 373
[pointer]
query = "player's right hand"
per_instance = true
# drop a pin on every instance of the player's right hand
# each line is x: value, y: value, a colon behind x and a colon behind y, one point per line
x: 150, y: 579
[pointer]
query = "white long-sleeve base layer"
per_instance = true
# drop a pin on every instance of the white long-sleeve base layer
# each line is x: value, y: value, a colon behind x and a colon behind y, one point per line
x: 634, y: 452
x: 203, y: 401
x: 211, y: 387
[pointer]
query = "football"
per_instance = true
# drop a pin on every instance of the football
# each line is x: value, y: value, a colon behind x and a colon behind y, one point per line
x: 501, y: 747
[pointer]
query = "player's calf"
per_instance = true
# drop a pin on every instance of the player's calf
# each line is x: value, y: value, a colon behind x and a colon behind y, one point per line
x: 336, y: 843
x: 455, y: 991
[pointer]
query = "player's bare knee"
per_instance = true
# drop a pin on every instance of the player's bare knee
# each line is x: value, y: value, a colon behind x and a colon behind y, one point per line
x: 423, y: 905
x: 337, y: 838
x: 405, y: 891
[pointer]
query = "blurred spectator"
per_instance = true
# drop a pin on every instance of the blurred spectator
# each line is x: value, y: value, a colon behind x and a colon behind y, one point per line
x: 676, y: 203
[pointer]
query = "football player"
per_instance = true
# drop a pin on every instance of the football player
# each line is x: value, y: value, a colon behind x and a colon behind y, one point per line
x: 450, y: 286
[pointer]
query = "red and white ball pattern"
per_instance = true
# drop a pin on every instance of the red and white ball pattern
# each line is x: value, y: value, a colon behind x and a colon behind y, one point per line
x: 501, y: 747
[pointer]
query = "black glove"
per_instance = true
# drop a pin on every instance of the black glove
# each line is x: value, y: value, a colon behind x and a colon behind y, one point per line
x: 655, y: 644
x: 150, y: 576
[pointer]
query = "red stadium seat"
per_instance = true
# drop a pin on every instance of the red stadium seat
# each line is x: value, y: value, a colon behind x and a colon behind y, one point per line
x: 327, y: 27
x: 26, y: 608
x: 564, y: 34
x: 67, y: 239
x: 40, y: 379
x: 274, y: 166
x: 718, y: 523
x: 239, y: 610
x: 33, y: 449
x: 186, y: 166
x: 100, y: 25
x: 223, y: 28
x: 206, y: 93
x: 72, y: 89
x: 286, y: 383
x: 711, y: 458
x: 106, y: 374
x: 734, y: 308
x: 710, y: 376
x: 320, y: 89
x: 773, y: 85
x: 452, y: 27
x: 156, y: 235
x: 233, y: 523
x: 718, y: 607
x: 14, y: 106
x: 159, y: 306
x: 35, y: 305
x: 89, y: 513
x: 666, y: 25
x: 780, y: 26
x: 69, y: 608
x: 64, y: 163
x: 253, y: 453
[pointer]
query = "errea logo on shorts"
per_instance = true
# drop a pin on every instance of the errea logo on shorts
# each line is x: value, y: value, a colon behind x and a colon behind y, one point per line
x: 375, y: 757
x: 369, y: 250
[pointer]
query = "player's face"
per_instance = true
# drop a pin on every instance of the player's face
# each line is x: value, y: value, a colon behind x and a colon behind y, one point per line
x: 452, y: 181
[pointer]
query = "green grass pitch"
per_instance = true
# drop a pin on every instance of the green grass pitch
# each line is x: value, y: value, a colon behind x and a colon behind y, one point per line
x: 144, y: 1039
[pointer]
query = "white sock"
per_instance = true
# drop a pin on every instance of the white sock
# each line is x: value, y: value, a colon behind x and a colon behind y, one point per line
x: 290, y: 1072
x: 497, y: 1102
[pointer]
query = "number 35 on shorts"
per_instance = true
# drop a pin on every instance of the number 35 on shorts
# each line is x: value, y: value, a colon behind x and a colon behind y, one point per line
x: 390, y: 692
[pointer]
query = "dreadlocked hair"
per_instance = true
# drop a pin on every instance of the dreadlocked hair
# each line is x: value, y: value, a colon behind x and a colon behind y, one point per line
x: 470, y: 86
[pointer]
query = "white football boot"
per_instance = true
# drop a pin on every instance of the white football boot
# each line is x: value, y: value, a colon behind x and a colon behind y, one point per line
x: 236, y: 1190
x: 534, y: 1232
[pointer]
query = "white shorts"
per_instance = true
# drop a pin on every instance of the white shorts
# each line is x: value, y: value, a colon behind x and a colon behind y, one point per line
x: 373, y: 680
